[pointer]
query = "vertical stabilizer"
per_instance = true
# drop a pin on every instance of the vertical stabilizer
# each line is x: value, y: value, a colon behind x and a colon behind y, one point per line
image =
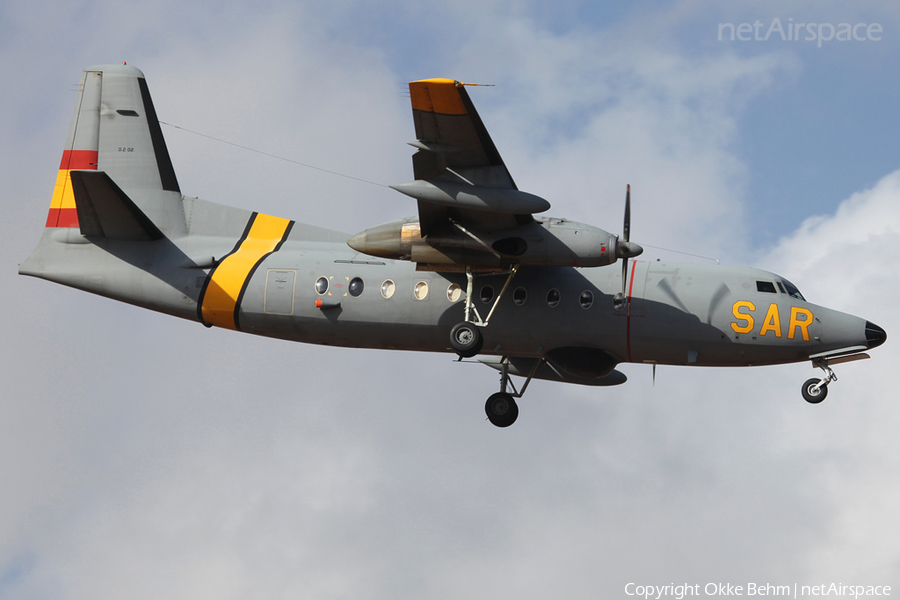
x: 80, y: 152
x: 114, y: 129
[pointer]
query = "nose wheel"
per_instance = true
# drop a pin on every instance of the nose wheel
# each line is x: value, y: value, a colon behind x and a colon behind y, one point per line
x: 814, y: 390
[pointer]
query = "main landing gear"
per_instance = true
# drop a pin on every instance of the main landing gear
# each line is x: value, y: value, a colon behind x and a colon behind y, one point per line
x: 501, y: 408
x: 465, y: 337
x: 466, y: 340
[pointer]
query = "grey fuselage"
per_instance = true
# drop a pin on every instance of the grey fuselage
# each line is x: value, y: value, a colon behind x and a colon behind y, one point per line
x: 677, y: 313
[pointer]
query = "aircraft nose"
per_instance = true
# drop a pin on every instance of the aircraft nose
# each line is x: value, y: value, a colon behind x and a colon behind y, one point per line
x: 875, y: 335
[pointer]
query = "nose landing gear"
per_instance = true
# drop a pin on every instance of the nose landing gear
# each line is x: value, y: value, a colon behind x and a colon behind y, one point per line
x: 814, y: 390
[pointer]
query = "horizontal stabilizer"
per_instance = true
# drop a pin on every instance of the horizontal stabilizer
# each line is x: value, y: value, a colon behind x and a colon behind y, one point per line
x: 104, y: 210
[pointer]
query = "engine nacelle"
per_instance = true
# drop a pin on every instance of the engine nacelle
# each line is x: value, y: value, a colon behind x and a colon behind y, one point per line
x: 545, y: 242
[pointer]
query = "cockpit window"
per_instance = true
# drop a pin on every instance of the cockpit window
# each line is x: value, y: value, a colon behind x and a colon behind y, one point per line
x: 781, y: 287
x: 766, y: 286
x: 792, y: 290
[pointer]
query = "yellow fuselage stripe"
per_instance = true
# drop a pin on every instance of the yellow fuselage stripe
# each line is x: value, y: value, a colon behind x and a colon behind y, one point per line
x: 227, y: 280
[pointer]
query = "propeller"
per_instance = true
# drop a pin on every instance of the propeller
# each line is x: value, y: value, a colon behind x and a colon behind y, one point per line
x: 625, y: 249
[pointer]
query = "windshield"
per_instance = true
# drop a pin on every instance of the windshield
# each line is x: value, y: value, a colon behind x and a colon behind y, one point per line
x: 792, y: 290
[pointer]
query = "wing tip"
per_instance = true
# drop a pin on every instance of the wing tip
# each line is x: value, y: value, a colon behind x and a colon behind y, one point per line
x: 437, y: 96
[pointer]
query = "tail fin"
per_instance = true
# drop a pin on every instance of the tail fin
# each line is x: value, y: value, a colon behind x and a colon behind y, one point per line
x: 115, y: 130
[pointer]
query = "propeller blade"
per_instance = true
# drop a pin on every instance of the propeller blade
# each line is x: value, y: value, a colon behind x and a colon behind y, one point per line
x: 625, y: 249
x: 626, y: 230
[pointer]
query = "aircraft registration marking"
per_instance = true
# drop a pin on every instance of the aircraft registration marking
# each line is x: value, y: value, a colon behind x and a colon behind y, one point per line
x: 772, y: 322
x: 220, y: 299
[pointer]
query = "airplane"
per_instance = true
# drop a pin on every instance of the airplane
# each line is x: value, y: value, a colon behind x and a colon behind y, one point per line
x: 555, y: 304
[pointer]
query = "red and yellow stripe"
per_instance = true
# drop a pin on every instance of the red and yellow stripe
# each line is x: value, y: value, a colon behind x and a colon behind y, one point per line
x: 62, y: 206
x: 220, y: 299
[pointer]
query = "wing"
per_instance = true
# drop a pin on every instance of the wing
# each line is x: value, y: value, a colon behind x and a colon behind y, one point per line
x: 471, y: 214
x: 459, y: 174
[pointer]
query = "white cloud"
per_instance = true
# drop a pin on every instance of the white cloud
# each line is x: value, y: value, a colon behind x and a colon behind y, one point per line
x: 854, y: 247
x: 846, y: 261
x: 148, y: 456
x: 577, y: 116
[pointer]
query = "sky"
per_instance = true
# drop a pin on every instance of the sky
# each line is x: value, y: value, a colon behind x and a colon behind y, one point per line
x: 143, y: 456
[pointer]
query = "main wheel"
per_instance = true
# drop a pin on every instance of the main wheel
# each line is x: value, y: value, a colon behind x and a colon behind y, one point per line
x: 466, y: 340
x: 501, y: 409
x: 812, y: 395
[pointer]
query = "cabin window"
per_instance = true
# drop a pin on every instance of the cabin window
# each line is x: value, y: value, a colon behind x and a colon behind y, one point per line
x: 387, y: 288
x: 586, y: 299
x: 321, y: 285
x: 356, y: 287
x: 766, y: 286
x: 420, y: 291
x: 454, y: 292
x: 553, y: 297
x: 520, y: 296
x: 487, y: 294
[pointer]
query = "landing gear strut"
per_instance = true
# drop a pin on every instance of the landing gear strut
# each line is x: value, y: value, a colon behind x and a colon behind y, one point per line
x: 466, y: 340
x: 501, y: 408
x: 465, y: 337
x: 814, y: 390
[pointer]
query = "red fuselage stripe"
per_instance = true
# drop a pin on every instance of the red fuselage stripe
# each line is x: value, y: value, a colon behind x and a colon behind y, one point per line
x: 628, y: 305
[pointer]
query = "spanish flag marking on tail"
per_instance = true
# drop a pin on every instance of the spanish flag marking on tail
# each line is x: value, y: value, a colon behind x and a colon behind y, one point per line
x: 62, y: 205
